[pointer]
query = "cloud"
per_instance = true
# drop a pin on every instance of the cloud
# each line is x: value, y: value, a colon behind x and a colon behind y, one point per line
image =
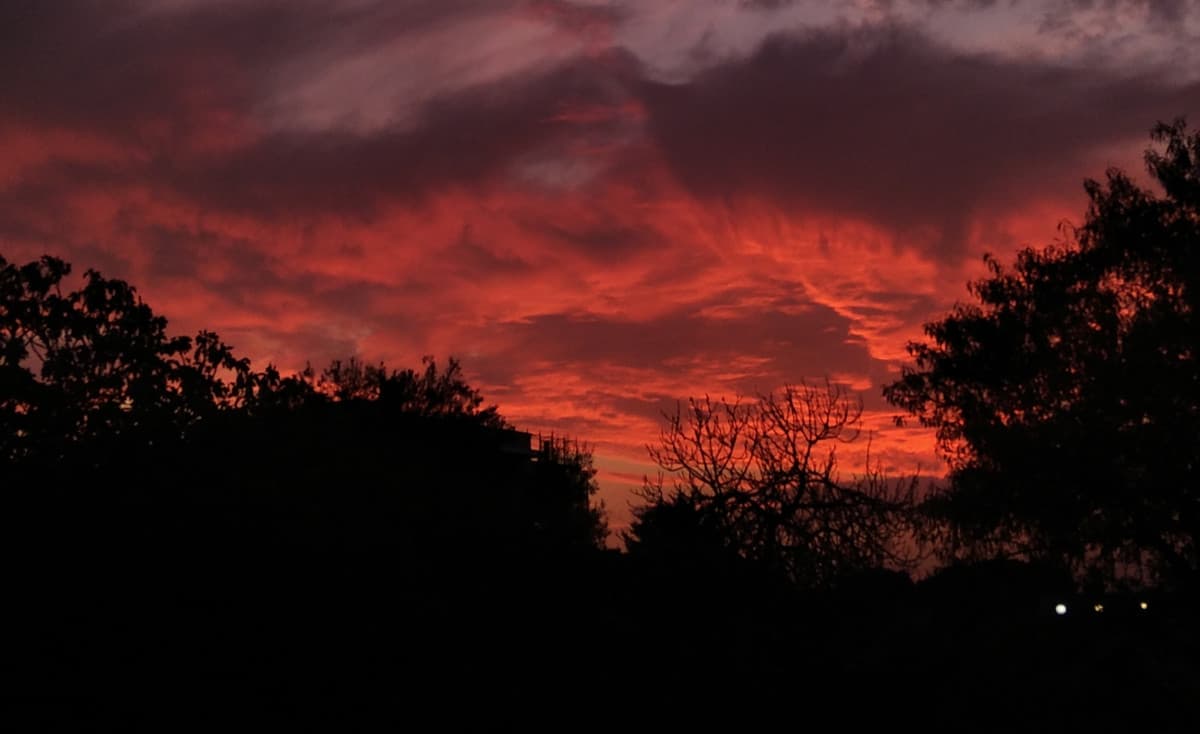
x: 601, y: 208
x: 883, y: 125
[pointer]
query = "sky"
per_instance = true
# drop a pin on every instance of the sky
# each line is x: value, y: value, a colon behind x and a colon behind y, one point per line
x: 599, y: 208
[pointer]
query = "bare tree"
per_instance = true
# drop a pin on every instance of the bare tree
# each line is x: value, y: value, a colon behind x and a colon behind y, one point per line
x: 765, y: 472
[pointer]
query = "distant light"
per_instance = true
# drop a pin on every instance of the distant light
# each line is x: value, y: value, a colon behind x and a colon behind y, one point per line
x: 1060, y: 609
x: 1143, y: 606
x: 1098, y: 607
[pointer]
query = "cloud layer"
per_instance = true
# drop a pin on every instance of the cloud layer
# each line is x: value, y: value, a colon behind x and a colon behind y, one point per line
x: 601, y: 208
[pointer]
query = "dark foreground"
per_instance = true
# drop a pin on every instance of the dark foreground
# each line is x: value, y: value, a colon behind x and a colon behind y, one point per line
x: 162, y: 625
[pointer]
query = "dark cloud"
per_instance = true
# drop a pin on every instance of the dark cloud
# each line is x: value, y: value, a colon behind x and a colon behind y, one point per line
x: 468, y: 139
x: 884, y: 124
x: 765, y: 4
x: 577, y: 17
x: 601, y: 242
x: 182, y: 91
x: 475, y: 259
x: 114, y: 69
x: 665, y: 343
x: 879, y: 123
x: 113, y: 65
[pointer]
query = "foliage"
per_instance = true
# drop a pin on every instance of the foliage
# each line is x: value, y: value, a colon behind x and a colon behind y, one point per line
x: 761, y: 480
x: 94, y: 392
x: 86, y: 366
x: 564, y: 495
x: 430, y: 393
x: 1067, y: 399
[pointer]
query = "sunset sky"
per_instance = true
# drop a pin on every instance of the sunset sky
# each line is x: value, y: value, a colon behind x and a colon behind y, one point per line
x: 600, y: 208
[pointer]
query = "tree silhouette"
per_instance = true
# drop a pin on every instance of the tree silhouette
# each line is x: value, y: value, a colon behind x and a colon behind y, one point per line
x: 430, y: 393
x: 563, y: 508
x: 1067, y: 399
x: 80, y: 369
x: 97, y: 399
x: 761, y: 479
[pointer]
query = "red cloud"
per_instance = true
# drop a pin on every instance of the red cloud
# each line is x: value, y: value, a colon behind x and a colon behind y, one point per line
x: 593, y: 244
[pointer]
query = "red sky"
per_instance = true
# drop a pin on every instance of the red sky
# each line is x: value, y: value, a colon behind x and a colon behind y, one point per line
x: 600, y: 208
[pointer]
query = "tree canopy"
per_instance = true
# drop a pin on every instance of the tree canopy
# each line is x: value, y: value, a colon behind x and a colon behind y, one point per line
x: 1066, y: 398
x: 97, y: 399
x: 83, y: 367
x: 760, y: 481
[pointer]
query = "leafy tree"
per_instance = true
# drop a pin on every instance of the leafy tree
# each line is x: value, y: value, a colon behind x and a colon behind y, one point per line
x: 430, y: 393
x: 95, y: 394
x: 81, y: 368
x: 167, y: 509
x: 563, y: 505
x: 760, y: 480
x: 1067, y: 398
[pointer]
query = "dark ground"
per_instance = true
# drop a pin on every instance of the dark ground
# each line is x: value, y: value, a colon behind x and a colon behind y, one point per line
x: 128, y: 626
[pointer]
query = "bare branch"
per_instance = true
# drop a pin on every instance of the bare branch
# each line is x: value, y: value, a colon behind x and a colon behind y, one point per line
x: 768, y: 470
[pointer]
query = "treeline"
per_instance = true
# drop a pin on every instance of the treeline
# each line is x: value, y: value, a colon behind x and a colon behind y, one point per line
x: 173, y: 518
x: 175, y: 521
x: 100, y: 404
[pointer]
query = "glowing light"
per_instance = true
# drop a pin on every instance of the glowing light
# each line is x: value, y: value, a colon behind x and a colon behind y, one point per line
x: 1143, y: 606
x: 1060, y: 609
x: 1098, y: 607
